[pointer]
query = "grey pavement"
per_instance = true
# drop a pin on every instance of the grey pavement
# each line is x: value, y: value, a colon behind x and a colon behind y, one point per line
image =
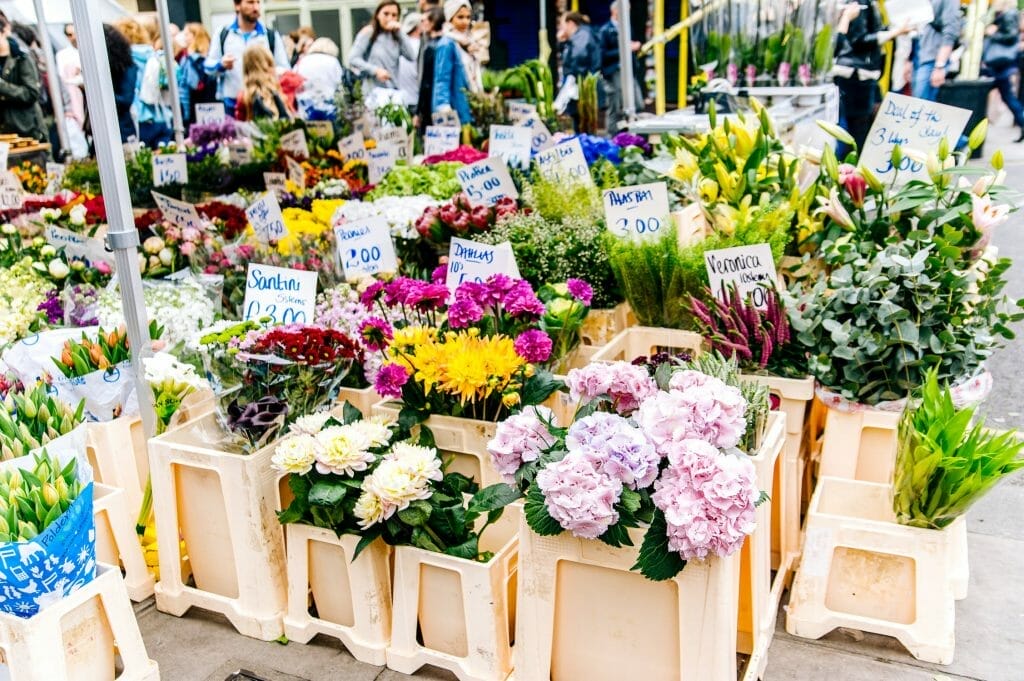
x: 989, y: 623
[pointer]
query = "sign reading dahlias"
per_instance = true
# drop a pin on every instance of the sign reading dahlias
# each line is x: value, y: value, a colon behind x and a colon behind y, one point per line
x: 476, y: 262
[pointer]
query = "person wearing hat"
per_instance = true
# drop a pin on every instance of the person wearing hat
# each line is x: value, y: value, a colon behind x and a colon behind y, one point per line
x: 451, y: 77
x: 474, y: 53
x: 408, y: 69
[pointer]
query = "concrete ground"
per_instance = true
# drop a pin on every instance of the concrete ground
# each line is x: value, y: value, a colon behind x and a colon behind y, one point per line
x: 989, y: 622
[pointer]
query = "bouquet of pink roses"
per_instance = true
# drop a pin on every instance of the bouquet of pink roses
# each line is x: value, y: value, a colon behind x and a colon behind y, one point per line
x: 643, y: 450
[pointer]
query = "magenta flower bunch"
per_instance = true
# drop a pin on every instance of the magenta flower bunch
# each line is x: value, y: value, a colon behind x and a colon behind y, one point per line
x: 657, y: 453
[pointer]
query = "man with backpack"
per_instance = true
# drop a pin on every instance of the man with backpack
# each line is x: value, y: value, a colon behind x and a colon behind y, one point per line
x: 225, y: 57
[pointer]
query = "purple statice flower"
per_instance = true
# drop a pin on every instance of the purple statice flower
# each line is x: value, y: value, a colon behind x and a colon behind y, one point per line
x: 376, y: 334
x: 372, y: 294
x: 463, y: 312
x: 534, y: 346
x: 708, y: 499
x: 204, y: 134
x: 198, y: 153
x: 52, y: 307
x: 580, y: 290
x: 626, y: 139
x: 579, y: 495
x: 390, y: 380
x: 520, y: 439
x: 520, y: 300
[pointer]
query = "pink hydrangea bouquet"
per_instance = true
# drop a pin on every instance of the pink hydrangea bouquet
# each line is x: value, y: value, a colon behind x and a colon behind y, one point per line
x: 655, y: 450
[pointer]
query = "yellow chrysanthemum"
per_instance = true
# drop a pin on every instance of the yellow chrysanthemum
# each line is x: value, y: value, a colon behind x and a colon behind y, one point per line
x: 323, y: 209
x: 412, y: 336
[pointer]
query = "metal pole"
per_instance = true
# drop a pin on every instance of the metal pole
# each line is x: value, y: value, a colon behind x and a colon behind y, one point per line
x: 170, y: 65
x: 56, y: 96
x: 626, y: 62
x: 544, y: 47
x: 122, y: 237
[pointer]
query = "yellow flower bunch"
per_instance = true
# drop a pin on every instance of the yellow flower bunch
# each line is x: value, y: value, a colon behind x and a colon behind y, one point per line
x: 300, y: 223
x: 323, y: 209
x: 462, y: 365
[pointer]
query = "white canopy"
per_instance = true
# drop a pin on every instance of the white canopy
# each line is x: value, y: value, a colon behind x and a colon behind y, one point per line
x: 59, y: 11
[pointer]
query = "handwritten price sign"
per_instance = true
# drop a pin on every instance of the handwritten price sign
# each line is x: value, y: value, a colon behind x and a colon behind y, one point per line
x: 180, y: 213
x: 169, y: 169
x: 486, y: 181
x: 749, y: 269
x: 365, y: 247
x: 265, y: 217
x: 541, y: 139
x: 912, y: 124
x: 637, y: 212
x: 440, y: 139
x: 353, y: 147
x: 520, y: 111
x: 472, y: 261
x: 565, y: 162
x: 209, y: 113
x: 512, y: 144
x: 286, y: 296
x: 296, y: 173
x: 381, y: 160
x: 294, y: 143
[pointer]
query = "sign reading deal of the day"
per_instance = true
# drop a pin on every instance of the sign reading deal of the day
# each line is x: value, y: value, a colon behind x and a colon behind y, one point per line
x: 381, y: 159
x: 916, y: 125
x: 12, y: 195
x: 512, y: 144
x: 286, y: 296
x: 486, y: 181
x: 294, y: 143
x: 265, y: 217
x: 169, y: 169
x: 637, y: 212
x: 212, y: 112
x: 365, y: 247
x: 439, y: 139
x: 181, y: 213
x: 748, y: 269
x: 565, y: 162
x: 472, y: 261
x: 353, y: 147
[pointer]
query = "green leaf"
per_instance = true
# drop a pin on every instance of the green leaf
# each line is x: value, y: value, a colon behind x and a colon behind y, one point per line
x: 492, y: 498
x: 350, y: 414
x: 467, y: 549
x: 369, y: 536
x: 409, y: 417
x: 327, y: 493
x: 656, y: 561
x: 537, y: 516
x: 616, y: 535
x: 540, y: 387
x: 416, y: 514
x: 450, y: 522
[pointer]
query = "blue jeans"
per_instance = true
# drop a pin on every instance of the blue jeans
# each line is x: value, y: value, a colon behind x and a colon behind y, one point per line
x: 1002, y: 77
x: 922, y: 85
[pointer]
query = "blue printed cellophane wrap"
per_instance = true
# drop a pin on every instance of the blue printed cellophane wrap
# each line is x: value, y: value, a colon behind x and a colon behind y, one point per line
x: 62, y: 558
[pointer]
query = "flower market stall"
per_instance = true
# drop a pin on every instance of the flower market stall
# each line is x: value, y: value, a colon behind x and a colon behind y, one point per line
x: 508, y: 399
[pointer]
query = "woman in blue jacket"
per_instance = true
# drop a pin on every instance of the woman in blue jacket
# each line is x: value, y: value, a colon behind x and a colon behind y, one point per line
x: 450, y: 81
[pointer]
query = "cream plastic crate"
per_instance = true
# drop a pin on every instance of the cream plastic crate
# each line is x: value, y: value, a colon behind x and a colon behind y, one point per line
x: 582, y: 614
x: 352, y: 598
x: 117, y: 543
x: 195, y: 406
x: 600, y: 326
x: 859, y: 445
x: 74, y: 639
x: 464, y: 610
x: 795, y: 396
x: 755, y: 622
x: 223, y: 506
x: 643, y: 341
x: 862, y: 570
x: 362, y: 399
x: 117, y: 453
x: 465, y: 439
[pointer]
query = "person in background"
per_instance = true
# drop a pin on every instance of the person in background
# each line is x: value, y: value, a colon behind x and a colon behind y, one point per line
x: 378, y: 47
x: 20, y: 112
x: 123, y: 76
x: 474, y: 50
x: 261, y: 95
x: 408, y: 69
x: 424, y: 6
x: 581, y: 54
x: 934, y: 46
x: 320, y: 69
x: 69, y: 68
x: 433, y: 29
x: 302, y: 39
x: 226, y: 50
x: 1000, y: 56
x: 1020, y: 60
x: 608, y: 38
x: 858, y: 66
x: 202, y: 87
x: 450, y: 79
